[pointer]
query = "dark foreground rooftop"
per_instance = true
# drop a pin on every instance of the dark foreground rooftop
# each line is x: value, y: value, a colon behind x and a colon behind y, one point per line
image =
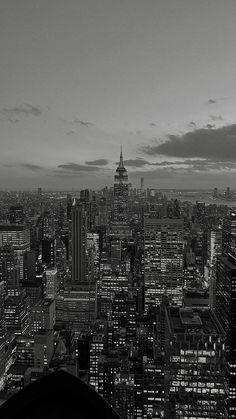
x: 58, y: 395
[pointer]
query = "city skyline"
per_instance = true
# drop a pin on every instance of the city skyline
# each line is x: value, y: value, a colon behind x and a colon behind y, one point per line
x: 131, y: 290
x: 80, y: 78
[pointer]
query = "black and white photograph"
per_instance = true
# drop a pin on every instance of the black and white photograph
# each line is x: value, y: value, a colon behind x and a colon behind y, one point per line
x: 118, y: 209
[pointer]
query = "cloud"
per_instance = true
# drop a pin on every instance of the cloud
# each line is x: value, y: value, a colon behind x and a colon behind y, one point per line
x: 153, y: 174
x: 217, y: 144
x: 176, y: 163
x: 184, y: 178
x: 196, y: 165
x: 211, y: 101
x: 98, y: 162
x: 76, y: 168
x: 12, y: 114
x: 209, y: 126
x: 192, y: 124
x: 138, y: 162
x: 33, y: 167
x: 216, y: 118
x: 83, y: 123
x: 28, y: 166
x: 190, y: 172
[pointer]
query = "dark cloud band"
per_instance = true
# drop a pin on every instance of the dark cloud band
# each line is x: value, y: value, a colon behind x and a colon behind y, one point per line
x: 217, y: 144
x: 98, y: 162
x: 22, y: 110
x: 74, y: 167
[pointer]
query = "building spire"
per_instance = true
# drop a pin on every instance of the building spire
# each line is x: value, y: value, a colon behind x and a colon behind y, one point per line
x: 121, y: 164
x: 121, y: 172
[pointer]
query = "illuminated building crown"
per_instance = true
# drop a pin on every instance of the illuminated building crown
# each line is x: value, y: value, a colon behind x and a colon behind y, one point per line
x: 121, y: 172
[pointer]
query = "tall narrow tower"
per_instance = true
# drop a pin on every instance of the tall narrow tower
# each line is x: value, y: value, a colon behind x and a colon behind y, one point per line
x: 163, y: 272
x: 78, y: 243
x: 121, y: 191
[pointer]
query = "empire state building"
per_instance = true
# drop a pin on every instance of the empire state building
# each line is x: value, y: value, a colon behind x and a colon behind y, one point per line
x: 121, y: 192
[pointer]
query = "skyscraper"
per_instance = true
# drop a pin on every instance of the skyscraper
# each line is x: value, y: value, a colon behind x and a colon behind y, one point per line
x: 97, y: 343
x: 225, y: 309
x: 194, y: 360
x: 16, y: 214
x: 19, y: 237
x: 2, y: 320
x: 76, y: 307
x: 51, y: 282
x: 121, y: 191
x: 163, y: 260
x: 49, y: 251
x: 42, y: 315
x: 78, y: 243
x: 229, y: 233
x: 123, y: 396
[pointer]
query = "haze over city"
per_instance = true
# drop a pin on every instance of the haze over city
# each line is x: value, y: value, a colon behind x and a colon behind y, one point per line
x: 80, y: 78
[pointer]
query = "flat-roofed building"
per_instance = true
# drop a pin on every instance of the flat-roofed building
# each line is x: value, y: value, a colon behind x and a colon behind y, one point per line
x: 163, y: 260
x: 194, y: 364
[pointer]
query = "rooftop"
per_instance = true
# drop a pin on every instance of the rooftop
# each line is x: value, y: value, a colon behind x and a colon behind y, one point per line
x: 189, y: 320
x: 12, y: 227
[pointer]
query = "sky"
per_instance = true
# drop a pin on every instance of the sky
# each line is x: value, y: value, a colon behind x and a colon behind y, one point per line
x: 78, y: 78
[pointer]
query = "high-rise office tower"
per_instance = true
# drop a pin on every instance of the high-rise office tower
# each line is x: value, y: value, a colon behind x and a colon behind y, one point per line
x: 84, y: 195
x: 48, y: 225
x: 49, y: 251
x: 42, y: 315
x: 85, y: 201
x: 16, y: 214
x: 215, y: 250
x: 69, y: 203
x: 124, y: 315
x: 43, y: 348
x: 102, y: 216
x: 199, y: 247
x: 215, y: 244
x: 82, y: 350
x: 30, y: 265
x: 163, y: 260
x: 110, y: 363
x: 76, y: 307
x: 93, y: 213
x: 78, y: 241
x: 229, y: 233
x: 34, y: 289
x: 2, y: 320
x: 121, y: 192
x: 142, y: 183
x: 116, y: 248
x: 24, y: 351
x: 123, y: 395
x: 92, y: 256
x: 97, y: 343
x: 19, y: 237
x: 16, y: 312
x: 194, y: 362
x: 9, y: 270
x: 225, y: 309
x: 152, y: 395
x: 51, y: 284
x: 200, y: 212
x: 14, y: 234
x: 108, y: 286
